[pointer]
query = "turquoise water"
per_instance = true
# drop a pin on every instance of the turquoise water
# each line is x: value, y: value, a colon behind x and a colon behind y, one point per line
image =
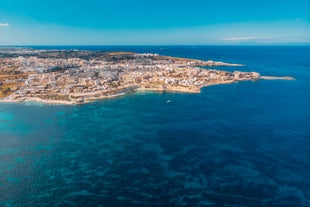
x: 244, y: 144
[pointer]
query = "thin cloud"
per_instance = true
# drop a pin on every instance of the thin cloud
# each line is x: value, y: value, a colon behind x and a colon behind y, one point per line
x: 299, y: 19
x: 4, y: 24
x: 246, y: 38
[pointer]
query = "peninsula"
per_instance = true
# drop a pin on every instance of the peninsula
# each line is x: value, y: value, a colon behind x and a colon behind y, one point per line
x: 76, y: 76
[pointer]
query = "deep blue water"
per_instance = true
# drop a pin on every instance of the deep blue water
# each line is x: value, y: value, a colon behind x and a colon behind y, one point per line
x: 244, y: 144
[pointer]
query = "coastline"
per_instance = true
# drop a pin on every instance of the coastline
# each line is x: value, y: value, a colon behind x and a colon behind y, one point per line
x: 62, y: 102
x: 77, y: 77
x: 194, y: 90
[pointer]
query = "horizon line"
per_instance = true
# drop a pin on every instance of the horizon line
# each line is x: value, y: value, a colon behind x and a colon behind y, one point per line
x: 81, y: 45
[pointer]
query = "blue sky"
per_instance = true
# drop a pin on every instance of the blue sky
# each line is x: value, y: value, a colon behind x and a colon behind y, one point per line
x: 80, y: 22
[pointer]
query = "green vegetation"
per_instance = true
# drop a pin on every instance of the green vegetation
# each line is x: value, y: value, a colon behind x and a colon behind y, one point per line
x: 5, y: 91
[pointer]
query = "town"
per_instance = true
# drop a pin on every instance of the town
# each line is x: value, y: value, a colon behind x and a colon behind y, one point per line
x: 73, y: 76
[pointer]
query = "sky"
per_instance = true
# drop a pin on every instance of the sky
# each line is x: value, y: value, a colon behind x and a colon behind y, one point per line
x: 157, y: 22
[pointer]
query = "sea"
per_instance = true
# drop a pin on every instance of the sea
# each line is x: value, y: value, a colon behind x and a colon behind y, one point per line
x: 245, y: 144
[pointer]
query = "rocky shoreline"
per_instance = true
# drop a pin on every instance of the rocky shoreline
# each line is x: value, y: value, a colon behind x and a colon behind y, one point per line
x: 76, y: 77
